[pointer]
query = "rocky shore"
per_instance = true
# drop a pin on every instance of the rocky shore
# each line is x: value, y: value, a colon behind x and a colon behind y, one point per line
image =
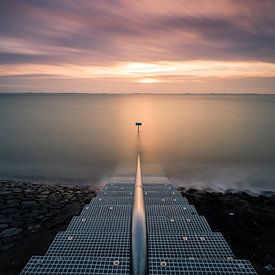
x: 246, y: 222
x: 30, y: 217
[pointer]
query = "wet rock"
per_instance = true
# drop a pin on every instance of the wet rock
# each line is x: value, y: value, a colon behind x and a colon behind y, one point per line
x: 10, y: 232
x: 33, y: 227
x: 5, y: 192
x: 9, y: 210
x: 269, y: 267
x: 3, y: 226
x: 17, y: 223
x: 47, y: 192
x: 5, y: 220
x: 29, y: 204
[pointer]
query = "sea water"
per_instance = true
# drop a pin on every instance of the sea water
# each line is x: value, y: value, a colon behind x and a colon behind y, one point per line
x: 217, y: 142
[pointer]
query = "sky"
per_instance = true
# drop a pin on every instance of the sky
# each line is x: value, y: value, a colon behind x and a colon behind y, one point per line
x: 125, y: 46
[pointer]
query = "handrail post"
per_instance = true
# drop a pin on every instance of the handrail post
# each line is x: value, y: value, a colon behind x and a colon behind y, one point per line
x: 139, y: 259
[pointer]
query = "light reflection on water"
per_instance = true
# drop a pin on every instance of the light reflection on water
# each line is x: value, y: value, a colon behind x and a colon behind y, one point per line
x: 218, y: 142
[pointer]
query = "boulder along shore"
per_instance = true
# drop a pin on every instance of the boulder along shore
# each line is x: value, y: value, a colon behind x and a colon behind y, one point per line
x: 32, y: 214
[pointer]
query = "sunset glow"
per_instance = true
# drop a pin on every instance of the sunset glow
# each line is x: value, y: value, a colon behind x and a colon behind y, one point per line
x: 60, y: 46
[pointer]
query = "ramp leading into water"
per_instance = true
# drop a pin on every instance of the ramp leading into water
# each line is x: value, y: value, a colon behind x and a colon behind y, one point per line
x: 98, y: 241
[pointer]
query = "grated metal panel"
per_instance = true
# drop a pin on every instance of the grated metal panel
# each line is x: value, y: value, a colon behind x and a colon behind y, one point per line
x: 160, y: 266
x: 98, y: 241
x: 76, y: 265
x: 166, y: 201
x: 146, y: 187
x: 171, y: 210
x: 111, y: 201
x: 115, y: 194
x: 182, y: 225
x: 161, y: 194
x: 129, y: 200
x: 126, y: 210
x: 191, y: 246
x: 100, y: 224
x: 145, y: 179
x: 106, y: 210
x: 90, y: 244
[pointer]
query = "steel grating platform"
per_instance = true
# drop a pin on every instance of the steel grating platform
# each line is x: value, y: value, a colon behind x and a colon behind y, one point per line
x: 90, y: 244
x: 126, y: 210
x: 166, y: 225
x: 99, y: 240
x: 43, y: 265
x: 204, y: 246
x: 155, y: 224
x: 190, y: 246
x: 146, y: 187
x: 73, y: 265
x: 161, y: 194
x: 171, y: 210
x: 129, y: 200
x: 106, y: 210
x: 160, y: 266
x: 100, y: 224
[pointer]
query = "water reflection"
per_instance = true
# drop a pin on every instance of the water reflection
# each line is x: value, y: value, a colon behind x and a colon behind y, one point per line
x: 219, y: 141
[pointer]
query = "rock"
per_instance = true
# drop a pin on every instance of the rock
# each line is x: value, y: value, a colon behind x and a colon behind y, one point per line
x: 40, y: 217
x: 11, y: 232
x: 10, y: 210
x: 5, y: 192
x: 47, y: 192
x: 30, y: 191
x: 5, y: 220
x: 29, y: 204
x: 7, y: 246
x: 17, y: 223
x: 269, y: 267
x: 33, y: 227
x: 3, y: 226
x: 12, y: 203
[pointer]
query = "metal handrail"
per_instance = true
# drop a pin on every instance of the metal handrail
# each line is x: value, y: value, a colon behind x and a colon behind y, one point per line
x: 139, y: 260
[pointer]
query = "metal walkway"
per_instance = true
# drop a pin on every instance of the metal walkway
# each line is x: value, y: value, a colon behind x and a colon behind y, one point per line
x: 131, y: 228
x: 99, y: 240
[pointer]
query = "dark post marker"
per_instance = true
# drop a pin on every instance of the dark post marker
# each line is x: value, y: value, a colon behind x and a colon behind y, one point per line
x: 138, y: 124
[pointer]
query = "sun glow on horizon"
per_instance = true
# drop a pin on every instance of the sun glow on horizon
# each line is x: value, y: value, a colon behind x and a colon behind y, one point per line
x: 164, y: 71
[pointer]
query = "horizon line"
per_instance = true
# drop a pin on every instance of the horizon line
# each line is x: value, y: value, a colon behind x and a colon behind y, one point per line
x: 128, y: 93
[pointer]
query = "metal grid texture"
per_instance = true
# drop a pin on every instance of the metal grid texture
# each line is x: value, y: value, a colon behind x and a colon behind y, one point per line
x: 160, y: 266
x: 171, y: 210
x: 129, y: 200
x: 90, y: 244
x: 98, y: 241
x: 183, y: 225
x: 145, y: 179
x: 160, y: 194
x: 111, y: 200
x: 126, y: 210
x: 106, y: 210
x: 190, y: 246
x: 167, y: 194
x: 166, y: 201
x: 100, y: 224
x: 47, y: 265
x: 146, y: 187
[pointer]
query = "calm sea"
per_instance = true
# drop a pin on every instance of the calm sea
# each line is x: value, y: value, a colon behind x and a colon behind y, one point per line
x: 215, y: 142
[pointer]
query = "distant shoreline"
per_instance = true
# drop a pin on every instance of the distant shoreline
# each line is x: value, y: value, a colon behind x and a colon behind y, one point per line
x: 131, y: 94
